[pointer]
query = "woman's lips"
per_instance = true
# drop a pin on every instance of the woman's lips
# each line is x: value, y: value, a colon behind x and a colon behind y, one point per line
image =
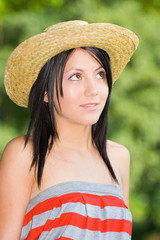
x: 90, y: 106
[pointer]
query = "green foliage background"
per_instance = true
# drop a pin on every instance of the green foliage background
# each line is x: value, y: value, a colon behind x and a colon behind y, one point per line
x: 134, y: 111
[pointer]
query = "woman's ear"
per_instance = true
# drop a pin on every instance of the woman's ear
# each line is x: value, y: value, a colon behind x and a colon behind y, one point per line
x: 45, y: 99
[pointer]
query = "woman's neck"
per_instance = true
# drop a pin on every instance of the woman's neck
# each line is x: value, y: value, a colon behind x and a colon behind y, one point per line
x: 75, y: 136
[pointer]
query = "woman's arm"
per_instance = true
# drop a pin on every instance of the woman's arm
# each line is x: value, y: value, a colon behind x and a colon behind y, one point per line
x: 16, y: 181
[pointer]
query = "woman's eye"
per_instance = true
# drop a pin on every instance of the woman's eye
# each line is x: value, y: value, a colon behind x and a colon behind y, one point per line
x: 101, y: 75
x: 75, y: 77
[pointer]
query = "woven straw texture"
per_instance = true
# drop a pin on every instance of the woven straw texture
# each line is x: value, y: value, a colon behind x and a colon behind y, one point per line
x: 26, y: 61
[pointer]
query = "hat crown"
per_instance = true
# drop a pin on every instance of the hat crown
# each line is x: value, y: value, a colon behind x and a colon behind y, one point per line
x: 66, y: 25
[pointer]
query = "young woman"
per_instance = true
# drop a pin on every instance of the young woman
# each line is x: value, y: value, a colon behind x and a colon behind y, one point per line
x: 64, y: 180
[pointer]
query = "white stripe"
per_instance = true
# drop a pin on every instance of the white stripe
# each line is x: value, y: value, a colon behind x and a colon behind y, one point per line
x: 80, y: 208
x: 85, y: 234
x: 75, y: 186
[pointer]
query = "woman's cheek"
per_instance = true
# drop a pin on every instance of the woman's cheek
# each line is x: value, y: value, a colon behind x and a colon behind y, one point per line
x: 72, y: 92
x: 104, y: 92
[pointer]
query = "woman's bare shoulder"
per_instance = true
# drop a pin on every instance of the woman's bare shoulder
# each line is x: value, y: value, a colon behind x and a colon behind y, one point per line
x: 16, y: 159
x: 16, y: 152
x: 19, y: 143
x: 119, y: 156
x: 118, y: 150
x: 116, y: 145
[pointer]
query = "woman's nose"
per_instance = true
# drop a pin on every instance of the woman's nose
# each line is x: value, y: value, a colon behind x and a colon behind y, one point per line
x: 91, y: 88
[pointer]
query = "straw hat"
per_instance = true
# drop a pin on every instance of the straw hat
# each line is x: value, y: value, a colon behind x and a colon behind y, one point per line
x: 28, y: 58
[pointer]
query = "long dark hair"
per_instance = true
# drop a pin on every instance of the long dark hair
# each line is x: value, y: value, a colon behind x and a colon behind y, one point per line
x: 42, y: 127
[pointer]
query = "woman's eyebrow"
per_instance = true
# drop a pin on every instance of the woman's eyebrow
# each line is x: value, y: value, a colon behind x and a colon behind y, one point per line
x: 99, y: 67
x: 82, y: 70
x: 75, y: 69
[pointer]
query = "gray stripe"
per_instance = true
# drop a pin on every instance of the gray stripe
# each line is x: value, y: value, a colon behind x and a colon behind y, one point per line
x: 37, y: 221
x: 85, y: 210
x: 75, y: 186
x: 79, y: 234
x: 91, y: 211
x: 25, y: 231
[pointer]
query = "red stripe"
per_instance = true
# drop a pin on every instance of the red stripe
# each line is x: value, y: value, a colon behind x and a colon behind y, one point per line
x: 83, y: 222
x: 84, y: 198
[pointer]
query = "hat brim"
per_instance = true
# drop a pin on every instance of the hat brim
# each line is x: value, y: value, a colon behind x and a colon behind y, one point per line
x: 29, y: 57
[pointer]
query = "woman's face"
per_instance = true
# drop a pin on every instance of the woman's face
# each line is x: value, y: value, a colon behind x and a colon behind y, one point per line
x: 85, y: 90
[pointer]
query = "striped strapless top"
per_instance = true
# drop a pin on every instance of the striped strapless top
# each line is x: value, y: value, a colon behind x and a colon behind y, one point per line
x: 78, y: 210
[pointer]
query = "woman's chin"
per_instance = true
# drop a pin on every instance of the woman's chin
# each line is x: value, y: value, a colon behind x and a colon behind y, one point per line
x: 90, y: 121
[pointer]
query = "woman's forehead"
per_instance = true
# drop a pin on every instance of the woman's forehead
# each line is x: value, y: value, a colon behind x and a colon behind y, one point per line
x: 81, y: 59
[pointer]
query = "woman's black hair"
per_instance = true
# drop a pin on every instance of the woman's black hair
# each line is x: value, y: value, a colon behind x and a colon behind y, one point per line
x: 42, y: 127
